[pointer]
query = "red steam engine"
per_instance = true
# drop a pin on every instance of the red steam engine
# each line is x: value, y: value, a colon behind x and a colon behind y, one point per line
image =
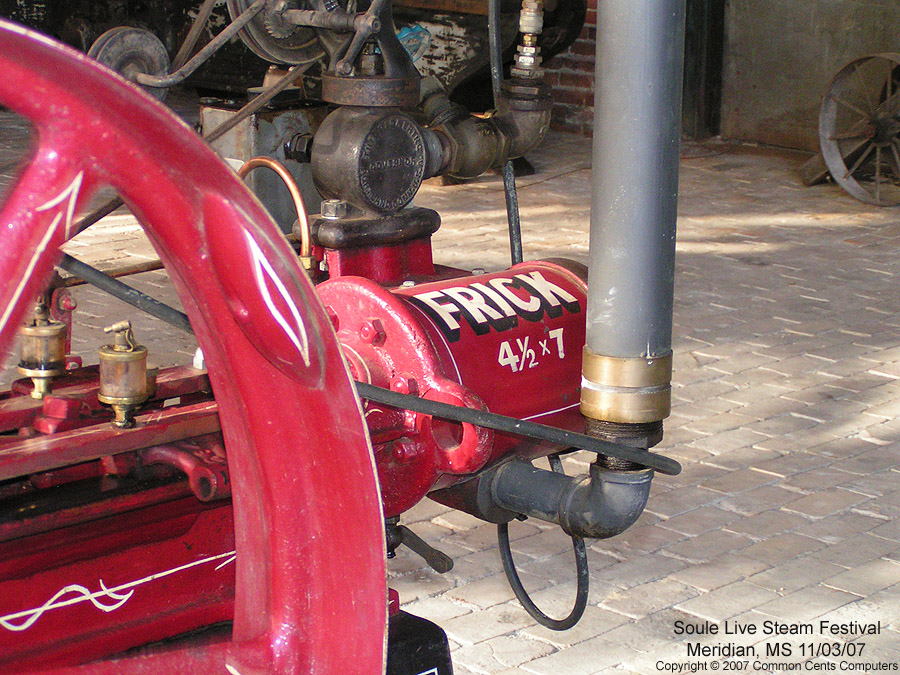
x: 186, y: 520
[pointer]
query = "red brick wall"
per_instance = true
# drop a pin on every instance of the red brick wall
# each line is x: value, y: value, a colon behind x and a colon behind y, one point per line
x: 571, y: 74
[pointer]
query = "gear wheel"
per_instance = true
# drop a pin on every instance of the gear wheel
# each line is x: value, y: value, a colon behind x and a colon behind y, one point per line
x: 273, y: 19
x: 273, y: 39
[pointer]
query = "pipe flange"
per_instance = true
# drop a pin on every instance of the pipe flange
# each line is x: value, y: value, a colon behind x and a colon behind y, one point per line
x: 626, y: 390
x: 377, y: 91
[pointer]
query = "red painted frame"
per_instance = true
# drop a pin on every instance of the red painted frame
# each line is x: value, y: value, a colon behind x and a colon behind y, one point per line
x: 304, y: 482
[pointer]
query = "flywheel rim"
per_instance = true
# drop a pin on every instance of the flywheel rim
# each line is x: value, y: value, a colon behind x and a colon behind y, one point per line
x: 291, y: 596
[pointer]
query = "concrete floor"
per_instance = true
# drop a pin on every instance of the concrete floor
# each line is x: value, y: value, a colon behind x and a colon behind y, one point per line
x: 785, y: 417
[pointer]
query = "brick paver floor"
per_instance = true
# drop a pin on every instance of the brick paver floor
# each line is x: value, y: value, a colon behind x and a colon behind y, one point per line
x: 786, y: 417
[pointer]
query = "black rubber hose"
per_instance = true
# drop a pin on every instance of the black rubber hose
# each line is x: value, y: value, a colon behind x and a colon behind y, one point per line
x: 509, y: 175
x: 581, y: 570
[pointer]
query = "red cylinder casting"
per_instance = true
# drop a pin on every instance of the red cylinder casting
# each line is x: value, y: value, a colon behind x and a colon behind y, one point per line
x: 509, y: 342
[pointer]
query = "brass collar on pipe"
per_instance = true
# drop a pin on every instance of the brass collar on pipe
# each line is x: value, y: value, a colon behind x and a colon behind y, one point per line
x: 626, y: 390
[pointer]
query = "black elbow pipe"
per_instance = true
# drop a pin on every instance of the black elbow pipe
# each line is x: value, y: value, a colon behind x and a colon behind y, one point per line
x: 471, y: 144
x: 599, y: 505
x: 596, y: 506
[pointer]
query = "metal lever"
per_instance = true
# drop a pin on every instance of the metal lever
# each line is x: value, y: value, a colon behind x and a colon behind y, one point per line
x: 437, y: 560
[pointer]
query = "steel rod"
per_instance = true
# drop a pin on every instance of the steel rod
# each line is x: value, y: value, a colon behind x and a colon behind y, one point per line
x: 125, y: 292
x: 204, y: 54
x: 511, y: 425
x: 481, y: 418
x: 193, y: 35
x: 509, y: 175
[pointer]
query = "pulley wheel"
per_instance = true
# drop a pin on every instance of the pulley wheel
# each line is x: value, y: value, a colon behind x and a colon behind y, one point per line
x: 309, y: 535
x: 271, y: 40
x: 131, y: 52
x: 859, y: 129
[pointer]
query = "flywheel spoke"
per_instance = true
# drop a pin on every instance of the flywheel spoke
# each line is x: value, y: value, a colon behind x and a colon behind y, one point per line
x: 37, y: 217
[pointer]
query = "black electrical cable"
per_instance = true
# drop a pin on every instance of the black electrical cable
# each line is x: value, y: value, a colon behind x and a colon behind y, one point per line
x: 581, y: 570
x: 509, y: 175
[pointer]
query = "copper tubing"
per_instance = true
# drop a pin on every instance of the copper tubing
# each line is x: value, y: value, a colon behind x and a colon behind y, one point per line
x: 302, y: 219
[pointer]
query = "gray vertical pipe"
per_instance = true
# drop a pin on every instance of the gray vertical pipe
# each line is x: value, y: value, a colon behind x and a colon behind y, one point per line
x: 637, y: 123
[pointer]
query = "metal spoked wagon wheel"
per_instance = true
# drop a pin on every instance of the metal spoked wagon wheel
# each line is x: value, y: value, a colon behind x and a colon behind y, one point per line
x: 859, y: 129
x: 303, y: 479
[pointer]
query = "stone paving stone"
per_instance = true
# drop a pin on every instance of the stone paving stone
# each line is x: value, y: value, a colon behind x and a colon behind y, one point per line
x: 585, y: 658
x: 795, y: 574
x: 782, y: 547
x: 788, y: 465
x: 758, y: 500
x: 436, y: 609
x: 493, y: 590
x: 738, y: 481
x: 874, y: 461
x: 868, y: 578
x: 596, y: 621
x: 541, y: 544
x: 818, y: 479
x: 691, y: 474
x: 807, y: 603
x: 708, y: 546
x: 858, y: 550
x: 652, y: 633
x: 887, y: 530
x: 767, y: 524
x: 484, y: 625
x: 637, y: 571
x: 499, y: 653
x: 837, y: 528
x: 825, y: 503
x: 699, y: 520
x: 419, y: 585
x: 678, y: 501
x: 720, y: 572
x: 647, y: 539
x: 727, y: 601
x: 653, y: 597
x: 731, y: 460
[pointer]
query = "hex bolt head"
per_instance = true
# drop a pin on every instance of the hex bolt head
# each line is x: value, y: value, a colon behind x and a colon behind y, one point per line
x: 334, y: 209
x: 404, y: 451
x: 67, y: 303
x: 404, y: 385
x: 372, y: 332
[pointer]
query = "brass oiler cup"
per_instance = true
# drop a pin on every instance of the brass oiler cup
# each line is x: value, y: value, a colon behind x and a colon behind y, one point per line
x: 123, y: 374
x: 43, y: 351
